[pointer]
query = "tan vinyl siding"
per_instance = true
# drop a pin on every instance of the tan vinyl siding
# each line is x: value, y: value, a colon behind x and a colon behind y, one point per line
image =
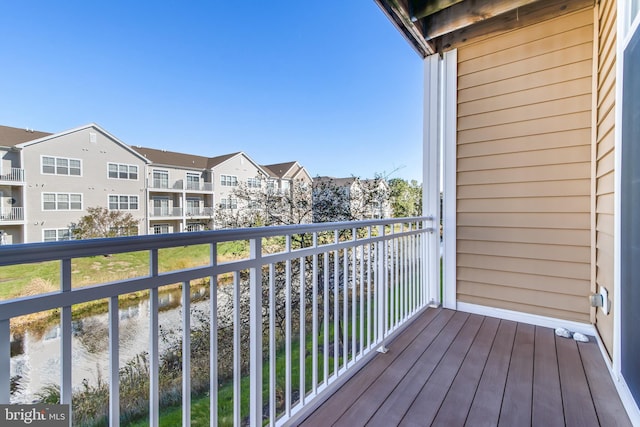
x: 524, y: 169
x: 605, y: 139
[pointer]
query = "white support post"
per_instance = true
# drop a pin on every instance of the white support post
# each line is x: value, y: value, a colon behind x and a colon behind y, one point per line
x: 186, y: 354
x: 380, y: 291
x: 450, y: 101
x: 255, y: 339
x: 213, y: 339
x: 431, y: 179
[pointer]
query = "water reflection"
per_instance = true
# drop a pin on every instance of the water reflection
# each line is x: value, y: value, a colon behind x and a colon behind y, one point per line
x: 35, y: 356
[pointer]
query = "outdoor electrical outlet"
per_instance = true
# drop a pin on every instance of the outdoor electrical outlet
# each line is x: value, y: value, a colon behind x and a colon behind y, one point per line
x: 601, y: 300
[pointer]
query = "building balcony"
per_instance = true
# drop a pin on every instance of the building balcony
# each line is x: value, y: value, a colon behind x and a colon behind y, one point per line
x: 199, y: 186
x: 165, y: 212
x: 199, y: 212
x: 157, y: 184
x: 13, y: 176
x: 357, y: 299
x: 14, y: 214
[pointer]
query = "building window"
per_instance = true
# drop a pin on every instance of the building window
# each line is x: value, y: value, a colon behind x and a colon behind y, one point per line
x: 271, y: 184
x: 193, y: 181
x: 160, y: 179
x: 284, y: 185
x: 228, y: 180
x: 122, y: 171
x: 195, y: 226
x: 160, y: 228
x: 254, y: 182
x: 124, y: 231
x: 229, y: 203
x: 123, y: 202
x: 61, y: 166
x: 61, y: 202
x: 56, y: 234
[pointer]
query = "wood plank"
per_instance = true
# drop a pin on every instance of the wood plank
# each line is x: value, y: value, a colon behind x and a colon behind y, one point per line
x: 431, y: 338
x: 518, y: 391
x: 526, y: 235
x: 344, y: 397
x: 526, y: 250
x: 569, y: 188
x: 525, y: 281
x: 536, y: 55
x: 608, y: 406
x: 525, y: 204
x: 534, y: 18
x: 526, y: 158
x: 578, y: 406
x: 464, y: 14
x: 423, y: 8
x: 569, y: 270
x: 457, y: 403
x: 566, y: 105
x: 425, y: 406
x: 547, y: 397
x: 532, y: 297
x: 400, y: 397
x: 579, y: 221
x: 543, y: 78
x: 557, y: 123
x: 508, y: 100
x: 485, y: 410
x: 557, y: 173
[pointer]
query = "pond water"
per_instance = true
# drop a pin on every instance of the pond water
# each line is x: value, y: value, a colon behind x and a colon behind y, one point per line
x: 36, y: 355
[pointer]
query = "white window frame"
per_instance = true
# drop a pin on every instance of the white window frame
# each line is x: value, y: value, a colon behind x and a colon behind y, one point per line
x: 163, y: 172
x: 57, y: 201
x: 190, y: 180
x: 229, y: 180
x: 128, y: 196
x: 57, y: 232
x: 254, y: 182
x: 128, y: 166
x: 155, y: 227
x: 55, y: 166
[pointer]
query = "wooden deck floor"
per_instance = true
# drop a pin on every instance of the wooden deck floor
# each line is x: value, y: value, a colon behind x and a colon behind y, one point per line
x: 453, y: 369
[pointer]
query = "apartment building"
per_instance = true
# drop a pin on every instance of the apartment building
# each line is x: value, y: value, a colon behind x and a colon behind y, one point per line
x: 48, y: 180
x: 352, y: 198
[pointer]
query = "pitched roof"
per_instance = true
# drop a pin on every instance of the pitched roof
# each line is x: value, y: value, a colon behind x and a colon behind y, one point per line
x: 215, y: 161
x: 338, y: 182
x: 279, y: 170
x: 10, y: 136
x: 172, y: 158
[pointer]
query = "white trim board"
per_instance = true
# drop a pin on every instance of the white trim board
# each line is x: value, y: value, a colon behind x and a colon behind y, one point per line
x: 532, y: 319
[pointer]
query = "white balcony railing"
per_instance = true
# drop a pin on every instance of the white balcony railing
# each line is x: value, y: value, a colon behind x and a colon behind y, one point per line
x: 160, y: 184
x: 13, y: 175
x: 199, y: 186
x: 165, y: 212
x: 12, y: 214
x: 199, y: 211
x: 335, y: 292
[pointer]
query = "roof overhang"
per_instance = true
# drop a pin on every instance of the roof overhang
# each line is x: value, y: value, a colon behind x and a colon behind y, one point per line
x: 435, y: 26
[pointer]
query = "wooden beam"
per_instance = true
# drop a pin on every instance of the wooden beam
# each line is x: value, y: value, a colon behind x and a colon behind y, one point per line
x: 422, y: 8
x: 399, y: 16
x: 527, y: 15
x: 467, y: 13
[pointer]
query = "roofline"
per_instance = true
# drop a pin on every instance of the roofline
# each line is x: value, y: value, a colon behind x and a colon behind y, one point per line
x: 87, y: 126
x: 242, y: 153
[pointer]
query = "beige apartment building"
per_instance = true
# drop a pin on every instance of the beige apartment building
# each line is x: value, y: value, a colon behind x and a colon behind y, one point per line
x: 47, y: 181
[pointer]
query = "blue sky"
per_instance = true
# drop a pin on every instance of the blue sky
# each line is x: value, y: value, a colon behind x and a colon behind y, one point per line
x: 332, y: 85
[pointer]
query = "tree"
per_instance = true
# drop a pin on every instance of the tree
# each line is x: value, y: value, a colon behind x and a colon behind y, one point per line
x: 349, y: 199
x: 406, y: 197
x: 102, y: 222
x: 267, y: 206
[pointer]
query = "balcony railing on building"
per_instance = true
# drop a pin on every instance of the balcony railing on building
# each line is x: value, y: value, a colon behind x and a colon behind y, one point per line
x: 199, y: 186
x: 201, y: 211
x: 13, y: 175
x: 12, y: 214
x: 160, y: 184
x: 165, y: 212
x: 335, y: 292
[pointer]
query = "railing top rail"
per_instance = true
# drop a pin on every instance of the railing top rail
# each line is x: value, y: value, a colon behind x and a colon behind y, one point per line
x: 51, y: 251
